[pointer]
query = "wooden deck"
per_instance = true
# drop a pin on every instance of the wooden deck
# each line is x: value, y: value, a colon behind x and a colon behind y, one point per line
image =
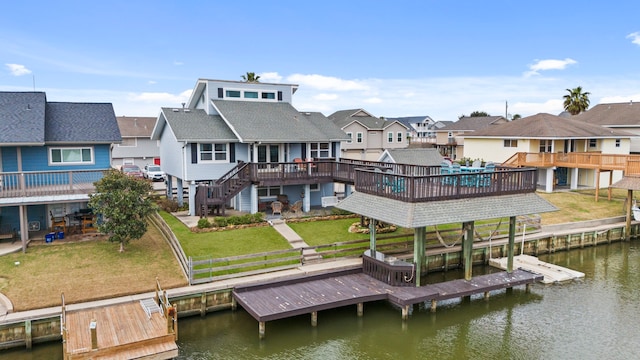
x: 294, y: 297
x: 124, y: 331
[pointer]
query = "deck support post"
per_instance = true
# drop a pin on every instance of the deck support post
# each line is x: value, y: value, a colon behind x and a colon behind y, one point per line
x: 372, y: 236
x: 467, y: 248
x: 527, y: 288
x: 28, y: 339
x: 234, y: 303
x: 434, y: 305
x: 405, y: 312
x: 627, y: 234
x: 512, y: 241
x: 314, y: 318
x: 486, y: 295
x: 419, y: 237
x: 94, y: 334
x: 360, y: 310
x: 261, y: 329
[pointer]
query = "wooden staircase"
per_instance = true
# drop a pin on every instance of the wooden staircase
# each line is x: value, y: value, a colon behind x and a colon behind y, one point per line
x: 226, y: 187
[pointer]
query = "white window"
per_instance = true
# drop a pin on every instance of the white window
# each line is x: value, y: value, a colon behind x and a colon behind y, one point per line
x: 320, y: 150
x: 399, y: 135
x: 350, y: 135
x: 213, y: 153
x: 450, y: 134
x: 545, y: 146
x: 358, y: 137
x: 510, y: 143
x: 390, y: 137
x: 314, y: 187
x: 128, y: 142
x: 593, y: 143
x: 70, y: 156
x: 617, y: 143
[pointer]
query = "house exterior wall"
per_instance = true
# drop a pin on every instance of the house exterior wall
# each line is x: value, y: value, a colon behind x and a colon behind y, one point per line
x: 395, y: 129
x: 36, y: 158
x: 212, y: 86
x: 493, y: 149
x: 144, y: 152
x: 354, y: 128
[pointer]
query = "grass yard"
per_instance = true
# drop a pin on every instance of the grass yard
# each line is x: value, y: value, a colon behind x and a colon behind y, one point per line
x: 87, y: 270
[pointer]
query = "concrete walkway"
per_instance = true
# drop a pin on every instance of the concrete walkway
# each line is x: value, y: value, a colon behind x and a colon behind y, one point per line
x: 294, y: 239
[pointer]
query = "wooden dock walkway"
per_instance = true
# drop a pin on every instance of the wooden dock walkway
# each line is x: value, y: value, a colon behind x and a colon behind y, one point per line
x: 551, y: 273
x: 298, y: 296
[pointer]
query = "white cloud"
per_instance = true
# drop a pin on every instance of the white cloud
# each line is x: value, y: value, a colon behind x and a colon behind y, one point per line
x: 635, y: 37
x: 321, y: 82
x: 161, y: 98
x: 270, y: 77
x: 620, y: 99
x: 178, y: 63
x: 549, y: 64
x: 373, y: 100
x: 151, y: 82
x: 325, y: 97
x: 18, y: 70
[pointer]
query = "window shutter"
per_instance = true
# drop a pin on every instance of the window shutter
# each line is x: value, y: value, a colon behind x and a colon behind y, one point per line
x: 304, y: 152
x: 279, y: 95
x: 334, y: 149
x: 232, y: 152
x: 194, y: 153
x: 220, y: 93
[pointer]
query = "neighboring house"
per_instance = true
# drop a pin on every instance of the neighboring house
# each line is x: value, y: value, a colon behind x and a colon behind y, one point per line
x: 229, y: 124
x: 542, y: 135
x: 136, y: 146
x: 619, y: 116
x: 413, y: 156
x: 368, y: 136
x: 421, y: 128
x: 450, y: 138
x: 51, y: 153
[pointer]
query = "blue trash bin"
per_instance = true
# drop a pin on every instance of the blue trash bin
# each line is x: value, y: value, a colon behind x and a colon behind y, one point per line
x: 60, y: 235
x: 49, y: 237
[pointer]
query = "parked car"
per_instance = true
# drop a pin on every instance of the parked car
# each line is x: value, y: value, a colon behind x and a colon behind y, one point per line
x: 153, y: 172
x: 132, y: 170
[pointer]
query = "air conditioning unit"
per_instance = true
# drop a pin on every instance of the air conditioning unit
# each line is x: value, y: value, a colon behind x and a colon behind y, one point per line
x: 34, y: 225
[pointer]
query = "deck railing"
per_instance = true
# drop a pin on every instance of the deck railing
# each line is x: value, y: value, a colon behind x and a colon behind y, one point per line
x: 388, y: 269
x: 43, y: 183
x: 630, y: 164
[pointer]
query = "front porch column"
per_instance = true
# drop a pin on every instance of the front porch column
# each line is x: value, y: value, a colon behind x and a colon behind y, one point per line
x: 180, y: 193
x: 168, y: 191
x: 254, y: 199
x: 548, y: 186
x: 24, y: 227
x: 372, y: 236
x: 467, y: 248
x: 192, y: 197
x: 306, y: 202
x: 419, y: 238
x: 512, y: 241
x: 574, y: 178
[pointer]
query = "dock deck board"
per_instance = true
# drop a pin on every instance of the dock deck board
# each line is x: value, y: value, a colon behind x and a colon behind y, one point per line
x: 292, y: 298
x: 124, y: 331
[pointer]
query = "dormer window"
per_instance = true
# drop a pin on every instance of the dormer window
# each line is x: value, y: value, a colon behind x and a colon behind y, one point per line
x: 251, y: 94
x: 233, y: 93
x: 269, y: 95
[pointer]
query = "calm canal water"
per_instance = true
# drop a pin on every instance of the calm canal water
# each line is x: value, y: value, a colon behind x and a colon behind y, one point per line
x: 594, y: 318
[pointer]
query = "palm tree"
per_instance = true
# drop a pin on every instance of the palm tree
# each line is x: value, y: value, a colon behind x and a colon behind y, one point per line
x: 251, y: 77
x: 576, y: 101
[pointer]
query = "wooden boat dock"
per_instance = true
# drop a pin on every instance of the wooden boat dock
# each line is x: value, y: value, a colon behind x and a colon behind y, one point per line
x: 298, y: 296
x: 145, y: 329
x: 551, y: 273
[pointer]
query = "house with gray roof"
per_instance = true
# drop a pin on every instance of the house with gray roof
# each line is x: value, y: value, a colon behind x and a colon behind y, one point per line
x: 136, y: 146
x: 421, y: 128
x: 368, y: 136
x: 412, y: 156
x: 618, y: 116
x: 50, y: 155
x: 227, y: 124
x: 450, y: 138
x: 542, y: 134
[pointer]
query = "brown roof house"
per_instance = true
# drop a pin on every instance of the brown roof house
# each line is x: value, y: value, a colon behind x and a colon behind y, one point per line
x: 450, y: 139
x: 136, y: 146
x: 545, y: 133
x: 619, y: 116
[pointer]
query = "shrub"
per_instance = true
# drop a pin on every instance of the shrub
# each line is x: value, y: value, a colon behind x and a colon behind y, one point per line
x: 204, y: 223
x: 168, y: 205
x: 336, y: 211
x: 221, y: 221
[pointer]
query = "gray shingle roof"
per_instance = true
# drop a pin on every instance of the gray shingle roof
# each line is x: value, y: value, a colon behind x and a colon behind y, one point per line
x: 415, y: 215
x: 195, y: 125
x: 416, y: 156
x: 131, y: 126
x: 81, y: 123
x: 473, y: 123
x: 548, y: 126
x: 22, y: 117
x: 343, y: 118
x: 620, y: 114
x: 254, y: 121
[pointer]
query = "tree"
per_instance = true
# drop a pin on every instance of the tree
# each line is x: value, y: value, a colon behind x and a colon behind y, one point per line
x: 124, y: 204
x: 576, y: 101
x: 475, y: 114
x: 516, y: 117
x: 251, y: 77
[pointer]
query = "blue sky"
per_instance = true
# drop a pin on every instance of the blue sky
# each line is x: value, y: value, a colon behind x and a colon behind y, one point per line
x: 391, y: 58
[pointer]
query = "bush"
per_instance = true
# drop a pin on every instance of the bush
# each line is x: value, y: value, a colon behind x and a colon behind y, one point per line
x: 168, y: 205
x: 336, y: 211
x: 221, y: 221
x: 203, y: 223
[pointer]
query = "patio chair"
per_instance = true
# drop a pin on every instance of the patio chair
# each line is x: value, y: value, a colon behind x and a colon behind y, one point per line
x: 296, y: 207
x: 484, y: 178
x: 476, y: 163
x: 276, y: 208
x: 284, y: 199
x: 445, y: 169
